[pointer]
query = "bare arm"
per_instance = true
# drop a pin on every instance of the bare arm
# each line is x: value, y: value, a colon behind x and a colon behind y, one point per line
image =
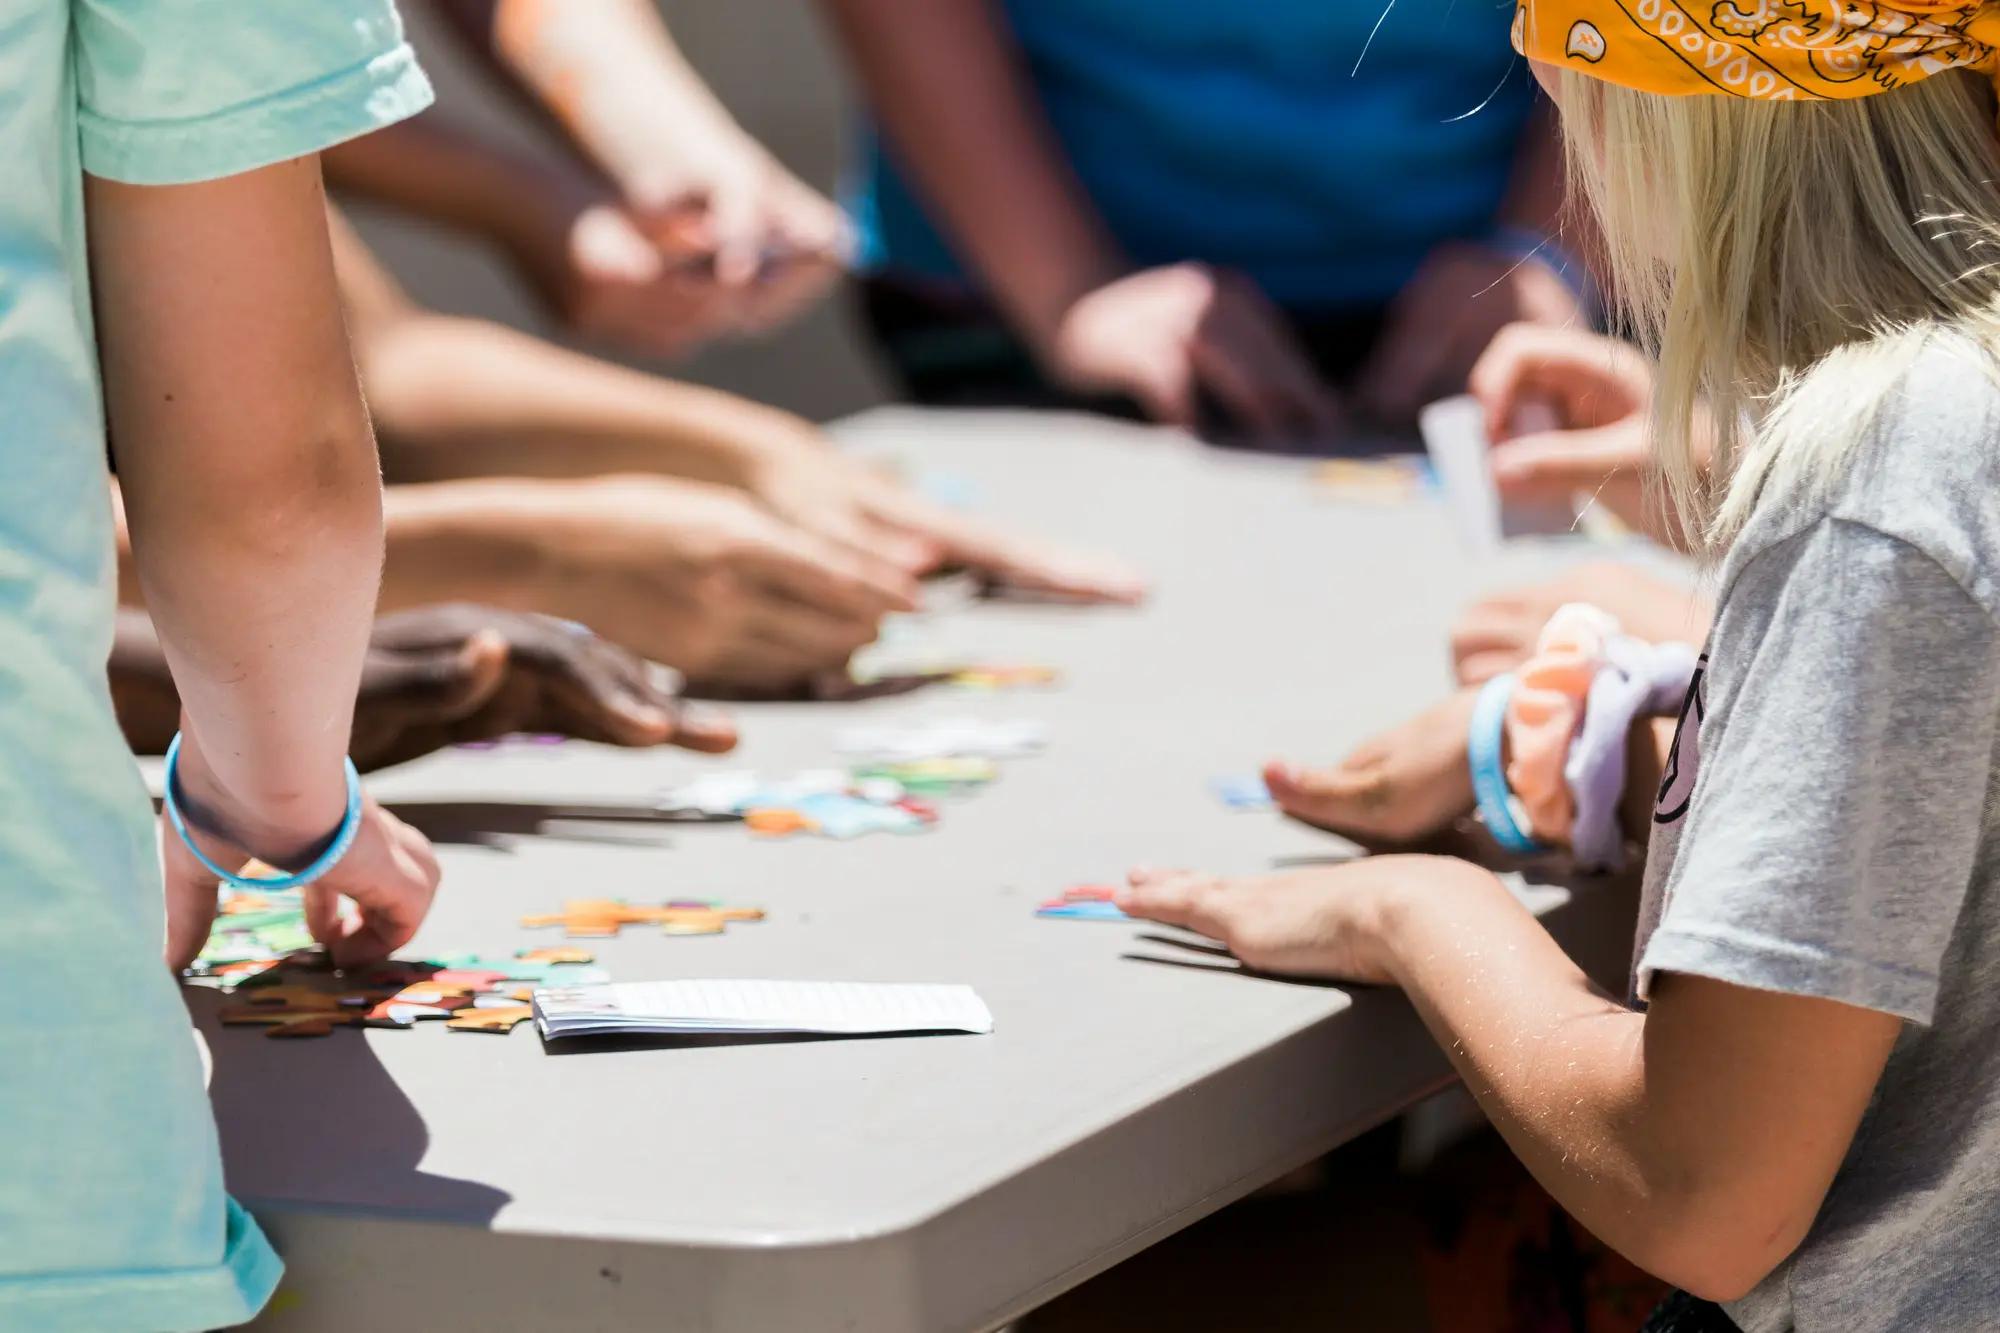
x: 457, y: 397
x: 948, y: 88
x: 1698, y: 1139
x: 524, y: 206
x: 608, y: 72
x: 612, y: 78
x: 249, y: 479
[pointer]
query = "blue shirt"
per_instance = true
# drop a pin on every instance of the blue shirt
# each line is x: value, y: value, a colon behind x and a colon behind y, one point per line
x: 1240, y: 132
x: 112, y: 1211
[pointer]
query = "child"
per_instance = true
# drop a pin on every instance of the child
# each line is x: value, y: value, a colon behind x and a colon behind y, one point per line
x: 255, y: 509
x: 1800, y: 1121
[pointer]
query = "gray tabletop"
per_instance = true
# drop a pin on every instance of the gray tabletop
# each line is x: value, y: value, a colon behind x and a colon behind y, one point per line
x: 933, y: 1183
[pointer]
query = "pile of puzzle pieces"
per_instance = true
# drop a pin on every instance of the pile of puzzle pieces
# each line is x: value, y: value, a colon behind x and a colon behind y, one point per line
x: 301, y: 998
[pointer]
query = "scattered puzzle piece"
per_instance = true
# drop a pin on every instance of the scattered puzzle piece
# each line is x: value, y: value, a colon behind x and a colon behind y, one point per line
x: 556, y: 954
x: 1241, y: 792
x: 944, y: 737
x: 598, y: 918
x: 933, y: 777
x: 501, y: 1019
x: 1004, y: 677
x: 292, y: 1011
x: 1395, y: 479
x: 1085, y: 902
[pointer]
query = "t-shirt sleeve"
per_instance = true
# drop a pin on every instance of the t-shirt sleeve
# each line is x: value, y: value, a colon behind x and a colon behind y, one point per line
x: 1844, y: 775
x: 172, y: 91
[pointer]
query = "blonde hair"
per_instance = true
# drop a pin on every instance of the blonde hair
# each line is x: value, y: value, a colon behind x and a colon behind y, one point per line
x: 1786, y: 262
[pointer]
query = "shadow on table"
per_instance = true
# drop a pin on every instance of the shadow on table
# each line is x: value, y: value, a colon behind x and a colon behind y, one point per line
x: 325, y: 1125
x: 711, y: 1040
x: 498, y: 823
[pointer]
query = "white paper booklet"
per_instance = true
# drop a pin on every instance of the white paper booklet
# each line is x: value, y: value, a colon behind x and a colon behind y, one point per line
x: 680, y: 1008
x: 1454, y: 431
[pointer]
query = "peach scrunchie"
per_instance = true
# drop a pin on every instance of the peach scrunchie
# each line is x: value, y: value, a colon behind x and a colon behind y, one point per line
x: 1776, y: 50
x: 1547, y: 708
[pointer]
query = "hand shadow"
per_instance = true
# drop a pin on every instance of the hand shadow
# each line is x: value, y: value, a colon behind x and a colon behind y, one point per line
x: 1205, y: 955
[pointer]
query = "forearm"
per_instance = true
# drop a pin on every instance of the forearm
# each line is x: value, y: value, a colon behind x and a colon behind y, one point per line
x: 439, y: 173
x: 609, y: 73
x: 461, y: 398
x: 1555, y: 1063
x: 950, y: 92
x: 464, y: 541
x: 248, y: 476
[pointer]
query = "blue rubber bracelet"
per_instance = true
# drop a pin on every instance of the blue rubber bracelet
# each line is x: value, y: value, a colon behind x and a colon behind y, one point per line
x: 343, y: 837
x: 1498, y: 806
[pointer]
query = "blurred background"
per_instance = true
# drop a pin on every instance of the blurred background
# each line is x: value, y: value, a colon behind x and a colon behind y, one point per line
x: 775, y: 68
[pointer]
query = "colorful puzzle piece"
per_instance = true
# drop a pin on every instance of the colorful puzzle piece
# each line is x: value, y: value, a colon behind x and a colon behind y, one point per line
x: 941, y: 776
x: 832, y: 803
x: 498, y: 1018
x: 1391, y: 480
x: 253, y: 932
x: 944, y: 737
x: 838, y: 815
x: 598, y: 918
x: 1007, y: 676
x: 1085, y: 902
x: 1241, y: 792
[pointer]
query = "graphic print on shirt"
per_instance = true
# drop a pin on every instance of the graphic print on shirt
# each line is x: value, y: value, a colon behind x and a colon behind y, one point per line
x: 1684, y: 758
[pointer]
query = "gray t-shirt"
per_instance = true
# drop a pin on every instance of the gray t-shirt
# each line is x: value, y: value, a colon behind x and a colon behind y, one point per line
x: 1829, y: 825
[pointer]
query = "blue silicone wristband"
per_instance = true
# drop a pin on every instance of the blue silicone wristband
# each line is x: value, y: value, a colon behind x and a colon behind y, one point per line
x: 1483, y: 742
x: 343, y: 837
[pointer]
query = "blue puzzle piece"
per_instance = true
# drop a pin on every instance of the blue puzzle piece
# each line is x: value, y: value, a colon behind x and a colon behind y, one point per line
x: 1241, y: 792
x: 1088, y: 910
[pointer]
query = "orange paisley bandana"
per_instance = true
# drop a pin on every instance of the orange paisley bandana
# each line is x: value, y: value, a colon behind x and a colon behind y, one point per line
x: 1779, y: 50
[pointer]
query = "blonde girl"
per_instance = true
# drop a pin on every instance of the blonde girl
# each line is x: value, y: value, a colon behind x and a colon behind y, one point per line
x: 1795, y: 1117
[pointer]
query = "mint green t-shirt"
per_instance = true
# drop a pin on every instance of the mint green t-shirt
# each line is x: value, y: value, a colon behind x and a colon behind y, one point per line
x: 112, y: 1211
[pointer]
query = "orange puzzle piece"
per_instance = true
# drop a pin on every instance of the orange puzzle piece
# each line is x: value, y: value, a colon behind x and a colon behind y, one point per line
x: 499, y: 1018
x: 598, y: 917
x: 292, y: 1011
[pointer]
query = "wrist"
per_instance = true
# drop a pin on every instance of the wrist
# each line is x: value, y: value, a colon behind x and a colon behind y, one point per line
x: 282, y: 828
x: 1429, y: 893
x: 485, y: 541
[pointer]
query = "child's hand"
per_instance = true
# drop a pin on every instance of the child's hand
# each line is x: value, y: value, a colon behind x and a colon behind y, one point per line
x: 705, y: 579
x: 1599, y: 391
x: 1330, y: 921
x: 390, y: 873
x: 441, y: 675
x: 1397, y: 788
x: 800, y: 477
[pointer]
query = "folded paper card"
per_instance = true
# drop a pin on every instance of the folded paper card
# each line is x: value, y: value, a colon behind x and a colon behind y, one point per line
x: 704, y: 1007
